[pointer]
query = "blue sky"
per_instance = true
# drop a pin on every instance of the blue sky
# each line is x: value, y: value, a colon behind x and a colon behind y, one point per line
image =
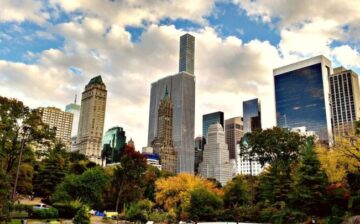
x: 49, y: 49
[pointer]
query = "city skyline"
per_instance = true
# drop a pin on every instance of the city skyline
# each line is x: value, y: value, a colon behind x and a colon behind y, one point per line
x: 58, y: 51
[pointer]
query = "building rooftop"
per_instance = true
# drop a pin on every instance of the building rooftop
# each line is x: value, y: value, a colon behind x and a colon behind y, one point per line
x: 96, y: 80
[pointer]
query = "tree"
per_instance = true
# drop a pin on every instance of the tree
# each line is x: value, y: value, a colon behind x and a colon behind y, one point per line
x: 139, y: 211
x: 309, y: 183
x: 26, y: 175
x: 128, y: 177
x: 5, y: 189
x: 87, y: 187
x: 173, y: 193
x: 52, y: 173
x: 204, y: 204
x: 237, y: 192
x: 82, y: 216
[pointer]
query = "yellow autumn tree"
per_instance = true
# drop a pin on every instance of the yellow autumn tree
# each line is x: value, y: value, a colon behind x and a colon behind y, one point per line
x: 342, y: 158
x: 173, y: 193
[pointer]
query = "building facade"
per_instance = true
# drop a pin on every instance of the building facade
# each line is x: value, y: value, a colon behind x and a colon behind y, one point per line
x: 181, y: 88
x: 60, y: 121
x: 113, y: 144
x: 163, y: 144
x: 187, y: 53
x: 302, y: 96
x: 251, y: 115
x: 199, y: 148
x: 92, y: 117
x: 345, y: 96
x: 216, y: 162
x: 234, y: 131
x: 75, y: 110
x: 212, y: 118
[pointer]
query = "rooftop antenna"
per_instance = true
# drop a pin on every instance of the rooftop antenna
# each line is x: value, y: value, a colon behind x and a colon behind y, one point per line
x: 75, y: 98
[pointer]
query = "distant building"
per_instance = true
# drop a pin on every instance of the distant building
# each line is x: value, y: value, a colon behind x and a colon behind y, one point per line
x: 152, y: 159
x: 60, y: 121
x: 181, y: 87
x: 75, y: 110
x: 147, y: 149
x: 345, y: 100
x: 199, y: 148
x: 302, y: 96
x: 163, y: 144
x: 92, y: 117
x: 113, y: 143
x: 252, y: 122
x: 215, y: 162
x: 234, y: 131
x: 251, y: 115
x: 212, y: 118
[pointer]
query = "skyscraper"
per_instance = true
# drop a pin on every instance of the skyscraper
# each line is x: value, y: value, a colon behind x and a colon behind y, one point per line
x: 215, y: 162
x: 75, y: 110
x: 234, y: 131
x: 181, y: 88
x: 199, y: 148
x: 251, y: 115
x: 212, y: 118
x: 163, y: 144
x: 60, y: 121
x: 187, y: 53
x: 113, y: 144
x: 92, y: 117
x: 302, y: 96
x: 345, y: 99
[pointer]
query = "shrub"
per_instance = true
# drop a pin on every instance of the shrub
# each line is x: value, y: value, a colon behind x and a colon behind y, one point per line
x: 67, y: 210
x: 82, y: 216
x: 45, y: 213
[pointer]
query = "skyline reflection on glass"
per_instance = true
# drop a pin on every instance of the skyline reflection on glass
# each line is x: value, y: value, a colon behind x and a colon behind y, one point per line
x: 299, y: 98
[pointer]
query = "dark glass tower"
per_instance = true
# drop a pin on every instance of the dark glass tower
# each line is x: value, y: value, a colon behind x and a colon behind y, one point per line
x: 302, y: 96
x: 187, y: 53
x: 251, y: 115
x: 113, y: 144
x: 213, y: 118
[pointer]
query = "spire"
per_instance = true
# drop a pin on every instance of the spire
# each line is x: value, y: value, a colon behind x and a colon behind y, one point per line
x: 75, y: 98
x: 166, y: 96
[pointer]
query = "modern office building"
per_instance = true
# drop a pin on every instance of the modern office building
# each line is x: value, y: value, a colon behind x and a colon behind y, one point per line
x: 212, y: 118
x: 181, y: 88
x: 75, y: 110
x: 234, y: 131
x: 252, y: 122
x: 60, y: 121
x: 187, y: 54
x: 216, y: 162
x: 152, y: 159
x: 113, y: 144
x: 199, y: 148
x: 163, y: 143
x: 302, y: 96
x: 345, y: 96
x: 92, y: 117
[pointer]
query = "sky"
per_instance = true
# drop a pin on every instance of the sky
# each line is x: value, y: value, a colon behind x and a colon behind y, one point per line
x: 50, y: 49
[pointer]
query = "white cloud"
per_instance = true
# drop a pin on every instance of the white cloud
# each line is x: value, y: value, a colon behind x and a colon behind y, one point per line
x: 22, y: 10
x: 347, y: 56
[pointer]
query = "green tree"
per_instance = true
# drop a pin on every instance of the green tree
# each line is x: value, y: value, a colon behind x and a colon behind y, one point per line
x: 237, y: 192
x: 88, y: 187
x: 309, y: 183
x: 139, y: 211
x: 52, y: 173
x: 5, y: 189
x: 26, y: 175
x: 204, y: 204
x: 82, y: 216
x: 128, y: 177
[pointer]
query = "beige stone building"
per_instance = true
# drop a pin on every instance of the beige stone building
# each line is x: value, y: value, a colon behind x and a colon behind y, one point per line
x: 60, y: 120
x: 345, y: 100
x: 234, y: 131
x: 92, y: 117
x: 163, y: 143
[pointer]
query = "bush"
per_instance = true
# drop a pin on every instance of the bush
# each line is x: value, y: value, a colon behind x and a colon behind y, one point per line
x: 161, y: 217
x: 50, y: 213
x: 67, y: 210
x: 21, y: 207
x: 82, y: 216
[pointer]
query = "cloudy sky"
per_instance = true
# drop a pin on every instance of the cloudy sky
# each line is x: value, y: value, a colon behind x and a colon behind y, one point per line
x: 49, y: 49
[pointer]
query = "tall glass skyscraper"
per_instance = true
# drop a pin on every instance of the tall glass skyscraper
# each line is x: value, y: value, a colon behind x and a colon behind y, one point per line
x: 74, y: 109
x: 302, y: 96
x: 187, y: 53
x: 213, y: 118
x: 251, y: 115
x: 113, y: 143
x: 181, y: 87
